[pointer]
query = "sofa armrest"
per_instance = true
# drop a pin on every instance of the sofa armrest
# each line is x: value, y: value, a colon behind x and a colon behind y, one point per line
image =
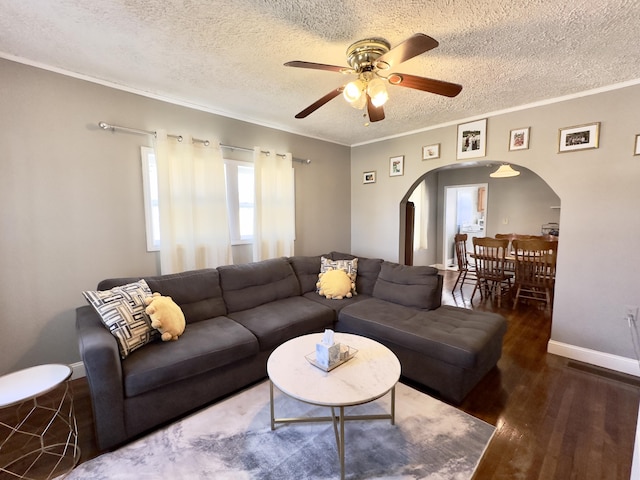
x: 101, y: 358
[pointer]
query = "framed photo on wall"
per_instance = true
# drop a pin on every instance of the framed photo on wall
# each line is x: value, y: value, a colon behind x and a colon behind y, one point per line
x: 369, y: 177
x: 431, y: 151
x: 472, y: 139
x: 396, y: 166
x: 580, y: 137
x: 519, y: 139
x: 636, y: 150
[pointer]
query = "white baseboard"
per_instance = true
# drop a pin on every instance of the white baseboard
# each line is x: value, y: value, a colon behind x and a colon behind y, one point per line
x: 78, y: 370
x: 441, y: 266
x: 612, y: 362
x: 606, y: 360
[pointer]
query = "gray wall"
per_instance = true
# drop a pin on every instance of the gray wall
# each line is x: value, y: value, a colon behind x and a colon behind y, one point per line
x: 71, y: 206
x: 72, y: 212
x: 599, y: 197
x: 524, y: 201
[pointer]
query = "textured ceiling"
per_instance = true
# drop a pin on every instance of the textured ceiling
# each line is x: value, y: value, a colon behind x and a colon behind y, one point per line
x: 227, y: 56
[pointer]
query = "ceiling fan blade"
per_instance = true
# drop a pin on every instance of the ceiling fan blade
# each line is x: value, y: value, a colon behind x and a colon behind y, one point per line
x: 411, y: 47
x: 375, y: 113
x: 318, y: 103
x: 315, y: 66
x: 425, y: 84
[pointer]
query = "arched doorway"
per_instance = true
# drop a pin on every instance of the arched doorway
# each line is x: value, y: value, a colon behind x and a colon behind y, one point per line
x: 522, y: 204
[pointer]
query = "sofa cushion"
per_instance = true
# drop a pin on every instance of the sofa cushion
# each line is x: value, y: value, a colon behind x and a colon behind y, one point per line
x: 306, y: 269
x: 204, y: 346
x: 197, y: 292
x: 368, y: 270
x: 416, y: 286
x: 121, y: 310
x: 276, y: 322
x: 250, y: 285
x: 453, y: 335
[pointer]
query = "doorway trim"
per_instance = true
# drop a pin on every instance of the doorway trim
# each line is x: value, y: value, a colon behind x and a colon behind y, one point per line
x: 450, y: 224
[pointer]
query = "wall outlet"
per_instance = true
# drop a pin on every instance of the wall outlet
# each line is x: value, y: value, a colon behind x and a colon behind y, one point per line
x: 631, y: 311
x: 505, y: 221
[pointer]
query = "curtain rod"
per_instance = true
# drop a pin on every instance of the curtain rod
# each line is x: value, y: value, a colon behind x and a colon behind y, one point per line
x: 113, y: 128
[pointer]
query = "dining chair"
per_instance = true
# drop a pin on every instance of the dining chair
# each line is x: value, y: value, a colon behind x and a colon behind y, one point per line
x: 535, y: 271
x: 492, y: 279
x: 466, y: 271
x: 510, y: 261
x: 508, y: 236
x: 509, y: 264
x: 546, y: 236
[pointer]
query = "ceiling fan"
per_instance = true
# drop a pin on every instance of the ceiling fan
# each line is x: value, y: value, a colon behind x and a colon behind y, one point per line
x: 371, y: 59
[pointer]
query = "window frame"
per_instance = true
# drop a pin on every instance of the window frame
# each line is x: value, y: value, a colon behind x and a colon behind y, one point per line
x: 148, y: 157
x: 152, y: 222
x: 233, y: 200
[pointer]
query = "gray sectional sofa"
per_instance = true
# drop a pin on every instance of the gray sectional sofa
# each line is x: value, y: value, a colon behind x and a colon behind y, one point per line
x: 238, y: 314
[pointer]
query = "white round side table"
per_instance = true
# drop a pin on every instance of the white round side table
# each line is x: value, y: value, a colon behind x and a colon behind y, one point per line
x: 41, y: 439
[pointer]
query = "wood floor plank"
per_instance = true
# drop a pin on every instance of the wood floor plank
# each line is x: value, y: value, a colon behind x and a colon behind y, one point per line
x: 553, y: 421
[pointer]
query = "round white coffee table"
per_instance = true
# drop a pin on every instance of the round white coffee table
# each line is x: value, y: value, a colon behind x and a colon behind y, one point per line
x: 45, y: 453
x: 371, y: 374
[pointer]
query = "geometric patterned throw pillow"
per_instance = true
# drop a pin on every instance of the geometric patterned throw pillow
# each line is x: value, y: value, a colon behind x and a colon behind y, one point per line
x: 121, y: 309
x: 349, y: 266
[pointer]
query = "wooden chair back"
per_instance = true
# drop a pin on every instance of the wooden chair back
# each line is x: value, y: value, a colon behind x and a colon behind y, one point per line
x: 513, y: 236
x: 466, y: 271
x: 548, y: 237
x: 508, y: 236
x: 535, y: 269
x: 460, y: 241
x: 493, y: 280
x: 489, y: 254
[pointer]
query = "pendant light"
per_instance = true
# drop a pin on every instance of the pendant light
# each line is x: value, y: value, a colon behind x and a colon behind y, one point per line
x: 504, y: 171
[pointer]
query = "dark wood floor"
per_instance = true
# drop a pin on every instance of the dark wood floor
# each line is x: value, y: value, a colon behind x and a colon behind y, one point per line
x: 555, y: 418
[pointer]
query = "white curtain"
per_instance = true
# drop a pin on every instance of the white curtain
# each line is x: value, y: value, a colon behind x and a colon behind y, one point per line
x: 274, y: 214
x: 194, y: 231
x: 420, y: 198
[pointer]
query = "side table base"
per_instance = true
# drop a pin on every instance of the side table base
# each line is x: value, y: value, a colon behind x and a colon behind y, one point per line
x: 336, y: 419
x: 47, y: 434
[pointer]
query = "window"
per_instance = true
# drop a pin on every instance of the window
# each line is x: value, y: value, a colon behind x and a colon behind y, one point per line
x: 150, y: 189
x: 240, y: 199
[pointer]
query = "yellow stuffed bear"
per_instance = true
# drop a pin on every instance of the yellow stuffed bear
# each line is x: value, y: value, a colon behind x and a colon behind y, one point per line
x: 166, y: 316
x: 335, y: 284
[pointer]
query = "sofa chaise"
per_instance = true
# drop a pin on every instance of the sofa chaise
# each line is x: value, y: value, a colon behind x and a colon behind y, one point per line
x: 238, y: 314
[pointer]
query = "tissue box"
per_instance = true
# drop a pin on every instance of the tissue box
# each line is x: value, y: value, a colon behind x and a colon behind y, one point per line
x: 327, y: 355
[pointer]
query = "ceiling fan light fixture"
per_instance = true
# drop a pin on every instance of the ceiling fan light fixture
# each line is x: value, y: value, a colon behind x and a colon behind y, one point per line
x: 504, y: 171
x: 360, y: 103
x: 377, y: 90
x: 353, y: 91
x: 371, y: 59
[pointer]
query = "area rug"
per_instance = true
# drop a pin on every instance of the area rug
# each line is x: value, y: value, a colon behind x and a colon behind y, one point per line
x: 233, y: 440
